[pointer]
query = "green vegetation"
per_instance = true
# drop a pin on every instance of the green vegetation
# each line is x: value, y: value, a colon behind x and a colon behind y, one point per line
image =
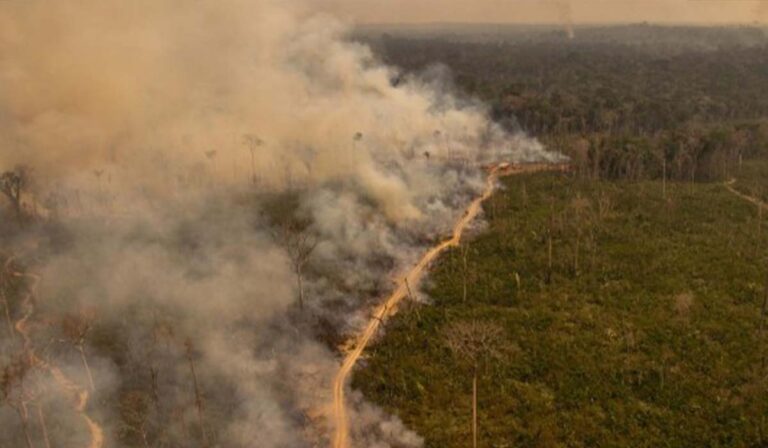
x: 645, y: 330
x: 623, y: 102
x: 752, y: 178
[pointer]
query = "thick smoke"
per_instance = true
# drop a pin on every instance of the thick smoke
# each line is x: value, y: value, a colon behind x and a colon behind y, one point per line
x: 761, y: 12
x: 158, y: 133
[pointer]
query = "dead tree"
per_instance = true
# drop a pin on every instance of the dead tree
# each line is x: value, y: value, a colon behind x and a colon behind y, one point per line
x: 550, y: 232
x: 189, y: 351
x: 253, y: 142
x: 43, y: 425
x: 15, y: 393
x: 464, y: 271
x: 5, y: 287
x: 474, y: 344
x: 76, y: 329
x: 299, y: 242
x: 580, y: 207
x: 211, y: 156
x: 763, y: 316
x: 12, y: 184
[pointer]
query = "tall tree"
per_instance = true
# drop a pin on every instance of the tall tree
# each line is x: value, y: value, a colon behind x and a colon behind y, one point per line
x: 253, y: 142
x: 76, y: 328
x: 299, y: 242
x: 474, y: 344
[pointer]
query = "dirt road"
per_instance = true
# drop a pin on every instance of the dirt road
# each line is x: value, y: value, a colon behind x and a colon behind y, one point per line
x: 754, y: 200
x: 77, y: 394
x: 412, y: 279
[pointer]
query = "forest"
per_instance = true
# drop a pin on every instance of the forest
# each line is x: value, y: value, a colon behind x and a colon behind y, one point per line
x: 623, y: 303
x: 634, y: 102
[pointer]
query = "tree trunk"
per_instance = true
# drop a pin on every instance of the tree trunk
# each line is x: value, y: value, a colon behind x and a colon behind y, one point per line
x: 198, y: 396
x: 43, y: 426
x: 253, y: 167
x: 8, y: 317
x: 576, y: 256
x: 143, y: 433
x: 664, y: 177
x: 465, y: 273
x: 153, y: 373
x: 14, y: 195
x: 23, y: 415
x: 763, y: 312
x: 549, y: 256
x: 81, y: 349
x: 300, y: 281
x: 474, y: 410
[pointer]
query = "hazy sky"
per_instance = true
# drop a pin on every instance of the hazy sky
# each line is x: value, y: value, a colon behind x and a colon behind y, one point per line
x: 549, y: 11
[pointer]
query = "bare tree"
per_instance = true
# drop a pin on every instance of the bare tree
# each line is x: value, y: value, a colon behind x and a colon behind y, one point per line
x: 211, y: 156
x: 43, y: 425
x: 76, y: 328
x: 12, y: 185
x: 253, y: 142
x: 5, y: 287
x: 550, y: 232
x: 580, y: 207
x: 299, y: 242
x: 474, y: 344
x: 464, y: 270
x: 98, y: 174
x: 763, y: 316
x: 189, y: 350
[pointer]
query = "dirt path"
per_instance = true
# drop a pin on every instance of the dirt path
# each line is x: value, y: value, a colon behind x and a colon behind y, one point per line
x: 752, y: 199
x: 412, y: 279
x: 69, y: 388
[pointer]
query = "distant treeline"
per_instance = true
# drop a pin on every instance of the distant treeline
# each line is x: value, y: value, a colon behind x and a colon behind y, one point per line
x: 621, y: 110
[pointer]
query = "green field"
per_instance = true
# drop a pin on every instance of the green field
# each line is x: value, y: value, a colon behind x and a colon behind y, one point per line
x: 645, y: 331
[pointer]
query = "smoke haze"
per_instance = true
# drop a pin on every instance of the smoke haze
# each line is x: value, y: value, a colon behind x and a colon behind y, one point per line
x: 155, y: 130
x: 541, y: 11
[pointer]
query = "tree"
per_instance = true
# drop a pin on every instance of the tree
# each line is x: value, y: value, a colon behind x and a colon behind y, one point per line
x: 76, y: 329
x: 580, y: 207
x: 253, y: 142
x: 464, y: 270
x: 135, y: 411
x: 211, y: 156
x: 763, y: 316
x: 189, y: 351
x: 299, y: 242
x: 5, y: 288
x: 15, y: 392
x: 474, y: 344
x: 12, y: 184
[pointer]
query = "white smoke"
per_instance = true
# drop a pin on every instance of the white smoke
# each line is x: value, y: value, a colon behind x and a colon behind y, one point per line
x: 150, y: 126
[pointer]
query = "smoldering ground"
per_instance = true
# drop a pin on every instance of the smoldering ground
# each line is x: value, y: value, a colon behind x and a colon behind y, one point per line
x: 160, y: 134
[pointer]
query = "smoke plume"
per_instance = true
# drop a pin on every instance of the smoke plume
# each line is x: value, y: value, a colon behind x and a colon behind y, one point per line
x: 565, y: 13
x: 168, y: 141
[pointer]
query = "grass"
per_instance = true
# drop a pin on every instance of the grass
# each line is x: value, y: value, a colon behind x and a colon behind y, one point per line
x: 651, y: 339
